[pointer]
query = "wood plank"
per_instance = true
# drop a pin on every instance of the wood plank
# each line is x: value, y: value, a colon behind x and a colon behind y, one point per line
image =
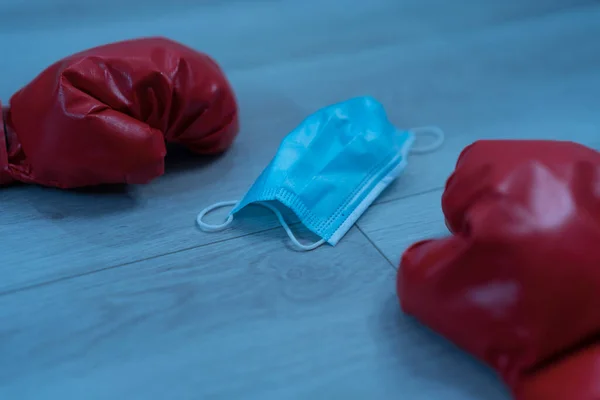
x: 395, y: 225
x: 245, y: 318
x: 241, y: 34
x: 535, y: 78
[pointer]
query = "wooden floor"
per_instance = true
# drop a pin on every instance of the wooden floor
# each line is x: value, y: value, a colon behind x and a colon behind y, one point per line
x: 116, y: 294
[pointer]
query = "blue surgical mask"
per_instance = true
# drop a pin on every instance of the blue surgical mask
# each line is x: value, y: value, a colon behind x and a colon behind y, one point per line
x: 330, y: 169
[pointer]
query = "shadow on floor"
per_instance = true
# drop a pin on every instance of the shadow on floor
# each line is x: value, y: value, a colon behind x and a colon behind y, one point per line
x: 419, y: 352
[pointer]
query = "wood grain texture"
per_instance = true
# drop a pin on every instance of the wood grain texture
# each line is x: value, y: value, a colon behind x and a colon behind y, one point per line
x: 395, y: 225
x: 242, y: 319
x: 511, y: 70
x: 114, y: 294
x: 243, y: 34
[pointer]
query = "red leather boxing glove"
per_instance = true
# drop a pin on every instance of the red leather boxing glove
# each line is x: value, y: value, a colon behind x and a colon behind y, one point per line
x: 576, y: 376
x: 103, y: 115
x: 517, y: 284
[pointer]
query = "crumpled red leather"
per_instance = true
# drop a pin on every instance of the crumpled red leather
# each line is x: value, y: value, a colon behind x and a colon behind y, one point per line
x: 102, y: 116
x: 576, y: 377
x: 517, y: 284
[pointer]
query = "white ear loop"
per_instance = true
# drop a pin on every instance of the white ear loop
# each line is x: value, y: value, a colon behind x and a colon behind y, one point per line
x: 215, y: 227
x: 434, y: 131
x: 219, y: 227
x: 438, y: 139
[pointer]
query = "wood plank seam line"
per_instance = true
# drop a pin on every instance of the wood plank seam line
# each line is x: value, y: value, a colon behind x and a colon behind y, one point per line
x: 376, y: 247
x: 100, y: 269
